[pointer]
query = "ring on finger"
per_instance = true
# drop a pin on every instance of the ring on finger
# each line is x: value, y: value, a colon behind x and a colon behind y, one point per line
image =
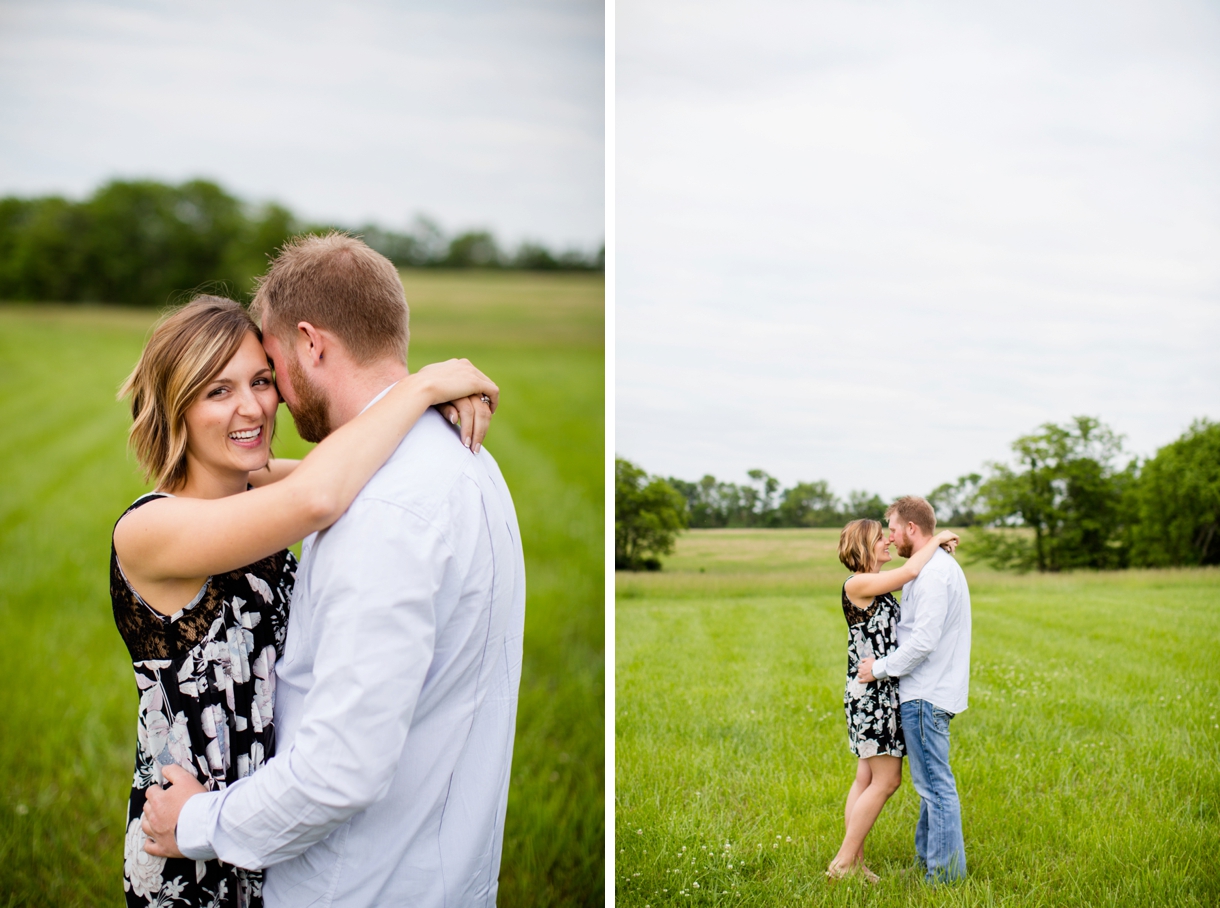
x: 485, y: 399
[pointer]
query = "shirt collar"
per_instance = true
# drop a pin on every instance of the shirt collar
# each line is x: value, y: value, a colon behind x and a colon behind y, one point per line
x: 384, y: 392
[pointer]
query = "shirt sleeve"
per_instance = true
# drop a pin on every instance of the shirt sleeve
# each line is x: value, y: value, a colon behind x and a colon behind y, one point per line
x: 933, y: 595
x: 374, y: 580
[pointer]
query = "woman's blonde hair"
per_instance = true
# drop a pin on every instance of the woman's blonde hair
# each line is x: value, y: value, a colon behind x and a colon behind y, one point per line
x: 188, y: 348
x: 856, y: 544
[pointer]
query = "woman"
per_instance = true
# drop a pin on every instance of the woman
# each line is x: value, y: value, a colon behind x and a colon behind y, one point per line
x: 873, y: 725
x: 200, y: 575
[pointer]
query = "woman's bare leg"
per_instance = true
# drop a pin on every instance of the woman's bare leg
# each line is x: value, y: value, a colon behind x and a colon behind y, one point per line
x: 858, y: 785
x: 885, y: 775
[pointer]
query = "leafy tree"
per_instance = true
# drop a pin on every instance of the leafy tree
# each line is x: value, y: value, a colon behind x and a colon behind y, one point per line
x: 713, y: 504
x: 957, y: 503
x: 403, y: 249
x: 1065, y: 488
x: 759, y: 500
x: 700, y: 512
x: 474, y: 249
x: 40, y: 257
x: 762, y: 503
x: 862, y: 504
x: 534, y: 257
x: 1176, y: 501
x: 809, y: 504
x: 147, y: 243
x: 648, y: 514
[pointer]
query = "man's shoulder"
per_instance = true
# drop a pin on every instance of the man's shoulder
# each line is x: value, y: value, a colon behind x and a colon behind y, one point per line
x: 424, y: 467
x: 945, y: 566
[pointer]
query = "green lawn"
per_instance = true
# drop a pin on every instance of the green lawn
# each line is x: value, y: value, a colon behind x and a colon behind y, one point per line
x: 1087, y: 762
x: 67, y: 698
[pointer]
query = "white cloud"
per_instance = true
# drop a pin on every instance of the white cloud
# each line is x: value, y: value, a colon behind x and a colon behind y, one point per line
x: 478, y: 113
x: 875, y: 242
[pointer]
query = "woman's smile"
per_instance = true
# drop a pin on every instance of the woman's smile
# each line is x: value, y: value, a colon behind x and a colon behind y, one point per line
x: 247, y: 438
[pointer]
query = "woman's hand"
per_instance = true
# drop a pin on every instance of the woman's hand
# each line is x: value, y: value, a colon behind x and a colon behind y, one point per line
x: 947, y: 541
x: 459, y: 390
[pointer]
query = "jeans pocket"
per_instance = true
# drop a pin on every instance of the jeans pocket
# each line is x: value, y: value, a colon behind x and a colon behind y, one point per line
x: 940, y: 719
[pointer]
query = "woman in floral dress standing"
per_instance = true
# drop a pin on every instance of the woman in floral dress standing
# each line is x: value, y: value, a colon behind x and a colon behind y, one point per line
x: 200, y: 574
x: 874, y: 729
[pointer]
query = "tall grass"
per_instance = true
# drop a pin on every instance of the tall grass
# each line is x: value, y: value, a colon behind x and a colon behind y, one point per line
x: 67, y: 698
x: 1087, y: 762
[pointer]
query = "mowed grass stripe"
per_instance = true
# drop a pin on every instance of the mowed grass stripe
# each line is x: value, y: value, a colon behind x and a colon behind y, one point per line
x: 1084, y: 778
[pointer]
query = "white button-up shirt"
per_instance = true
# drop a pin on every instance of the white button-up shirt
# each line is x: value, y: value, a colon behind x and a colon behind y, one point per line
x: 396, y: 698
x: 932, y: 661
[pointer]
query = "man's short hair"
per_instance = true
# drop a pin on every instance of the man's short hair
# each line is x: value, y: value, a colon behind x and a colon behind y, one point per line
x: 336, y: 283
x: 916, y: 510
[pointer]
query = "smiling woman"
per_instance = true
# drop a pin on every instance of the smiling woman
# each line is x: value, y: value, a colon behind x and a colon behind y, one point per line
x: 229, y: 429
x: 201, y: 578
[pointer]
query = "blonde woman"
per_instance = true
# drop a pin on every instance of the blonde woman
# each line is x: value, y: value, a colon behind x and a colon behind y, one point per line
x: 201, y: 576
x: 874, y: 728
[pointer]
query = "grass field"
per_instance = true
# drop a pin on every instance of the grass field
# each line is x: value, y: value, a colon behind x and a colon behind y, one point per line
x: 1087, y: 762
x: 67, y: 698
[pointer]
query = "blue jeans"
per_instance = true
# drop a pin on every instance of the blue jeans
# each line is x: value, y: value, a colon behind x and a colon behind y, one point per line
x: 938, y: 837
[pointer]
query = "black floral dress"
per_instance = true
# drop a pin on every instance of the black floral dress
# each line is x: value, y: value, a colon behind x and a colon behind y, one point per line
x: 874, y: 723
x: 206, y: 681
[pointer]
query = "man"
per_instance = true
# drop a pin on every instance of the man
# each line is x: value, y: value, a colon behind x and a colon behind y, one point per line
x: 932, y: 665
x: 396, y: 697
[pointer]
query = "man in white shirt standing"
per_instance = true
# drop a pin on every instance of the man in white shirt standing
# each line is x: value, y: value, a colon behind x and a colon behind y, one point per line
x: 932, y: 665
x: 396, y: 697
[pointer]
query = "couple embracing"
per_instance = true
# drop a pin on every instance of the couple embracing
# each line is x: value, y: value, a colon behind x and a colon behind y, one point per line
x: 336, y: 731
x: 908, y: 674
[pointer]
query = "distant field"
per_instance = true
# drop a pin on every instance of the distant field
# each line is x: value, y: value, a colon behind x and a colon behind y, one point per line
x: 1088, y: 762
x: 67, y: 698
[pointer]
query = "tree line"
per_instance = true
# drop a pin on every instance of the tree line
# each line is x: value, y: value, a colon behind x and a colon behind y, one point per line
x: 141, y: 242
x: 762, y: 503
x: 1068, y: 498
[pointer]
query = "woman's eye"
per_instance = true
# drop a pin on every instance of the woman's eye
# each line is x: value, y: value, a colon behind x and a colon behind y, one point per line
x: 216, y: 392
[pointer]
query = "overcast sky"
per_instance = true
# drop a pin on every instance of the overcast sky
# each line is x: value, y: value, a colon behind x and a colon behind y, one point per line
x: 487, y: 114
x: 874, y: 242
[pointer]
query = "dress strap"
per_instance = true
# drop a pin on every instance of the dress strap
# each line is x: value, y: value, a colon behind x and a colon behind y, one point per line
x: 140, y: 502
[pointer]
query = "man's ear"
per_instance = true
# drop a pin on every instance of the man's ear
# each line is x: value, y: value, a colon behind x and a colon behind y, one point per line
x: 311, y: 345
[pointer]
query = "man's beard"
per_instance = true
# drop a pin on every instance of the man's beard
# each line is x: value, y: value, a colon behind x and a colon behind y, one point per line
x: 312, y: 412
x: 905, y: 548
